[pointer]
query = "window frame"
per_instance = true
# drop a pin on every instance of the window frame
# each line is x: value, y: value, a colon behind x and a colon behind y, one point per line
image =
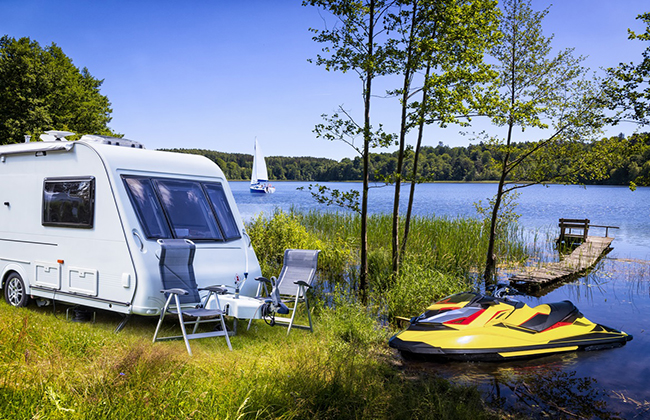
x: 217, y: 212
x: 155, y: 181
x: 46, y: 221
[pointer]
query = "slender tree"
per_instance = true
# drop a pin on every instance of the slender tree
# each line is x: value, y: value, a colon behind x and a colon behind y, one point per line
x: 551, y: 93
x: 40, y: 89
x: 448, y: 38
x: 355, y: 43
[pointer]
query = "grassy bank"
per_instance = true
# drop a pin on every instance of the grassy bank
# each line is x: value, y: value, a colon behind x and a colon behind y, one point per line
x: 55, y: 369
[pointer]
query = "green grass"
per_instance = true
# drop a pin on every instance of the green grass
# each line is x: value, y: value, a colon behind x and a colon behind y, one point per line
x: 54, y: 369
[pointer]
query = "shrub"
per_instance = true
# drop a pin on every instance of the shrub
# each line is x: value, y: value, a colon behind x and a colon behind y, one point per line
x: 272, y: 235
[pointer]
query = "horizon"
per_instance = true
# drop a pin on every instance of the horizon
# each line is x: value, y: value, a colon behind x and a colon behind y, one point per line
x: 216, y: 75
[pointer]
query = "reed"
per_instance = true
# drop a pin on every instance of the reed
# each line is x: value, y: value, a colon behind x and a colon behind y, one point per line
x: 453, y: 244
x: 444, y: 255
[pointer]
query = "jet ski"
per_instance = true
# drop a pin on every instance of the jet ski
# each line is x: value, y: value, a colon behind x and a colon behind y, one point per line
x: 473, y: 326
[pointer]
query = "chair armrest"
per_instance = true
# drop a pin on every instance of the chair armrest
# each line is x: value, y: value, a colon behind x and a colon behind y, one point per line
x: 263, y: 279
x: 302, y: 283
x: 220, y: 290
x: 175, y: 291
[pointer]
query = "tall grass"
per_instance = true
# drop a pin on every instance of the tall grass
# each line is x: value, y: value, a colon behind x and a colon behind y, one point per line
x: 54, y: 369
x: 444, y: 255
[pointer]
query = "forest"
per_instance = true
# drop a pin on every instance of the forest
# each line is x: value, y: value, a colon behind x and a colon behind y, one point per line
x: 476, y: 162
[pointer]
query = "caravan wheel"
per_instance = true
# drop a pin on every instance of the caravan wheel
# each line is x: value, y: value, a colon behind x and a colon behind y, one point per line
x: 15, y: 291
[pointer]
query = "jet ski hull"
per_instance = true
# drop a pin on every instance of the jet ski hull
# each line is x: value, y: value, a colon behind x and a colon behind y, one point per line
x: 471, y: 326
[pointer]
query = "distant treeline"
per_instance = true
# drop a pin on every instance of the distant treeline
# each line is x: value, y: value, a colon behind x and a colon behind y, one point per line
x: 440, y: 163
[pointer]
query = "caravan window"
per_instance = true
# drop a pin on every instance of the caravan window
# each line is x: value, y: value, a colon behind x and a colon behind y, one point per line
x: 147, y: 207
x: 187, y: 209
x: 177, y: 208
x: 68, y: 202
x: 222, y: 209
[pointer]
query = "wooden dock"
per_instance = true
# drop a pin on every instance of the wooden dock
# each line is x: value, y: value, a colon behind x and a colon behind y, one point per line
x: 580, y: 260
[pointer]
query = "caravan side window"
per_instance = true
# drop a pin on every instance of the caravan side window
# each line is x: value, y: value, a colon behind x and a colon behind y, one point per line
x: 180, y: 208
x: 187, y: 209
x: 147, y: 207
x: 224, y: 214
x: 69, y: 202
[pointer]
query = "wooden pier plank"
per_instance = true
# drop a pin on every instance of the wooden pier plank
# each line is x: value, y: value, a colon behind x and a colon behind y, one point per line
x: 582, y: 258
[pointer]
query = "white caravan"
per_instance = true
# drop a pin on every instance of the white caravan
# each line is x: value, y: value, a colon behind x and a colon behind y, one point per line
x: 79, y: 221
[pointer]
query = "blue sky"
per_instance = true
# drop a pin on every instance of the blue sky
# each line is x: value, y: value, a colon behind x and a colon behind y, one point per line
x: 216, y: 74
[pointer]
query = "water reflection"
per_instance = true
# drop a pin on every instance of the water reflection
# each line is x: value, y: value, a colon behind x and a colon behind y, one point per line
x: 548, y: 387
x: 602, y: 384
x: 552, y: 392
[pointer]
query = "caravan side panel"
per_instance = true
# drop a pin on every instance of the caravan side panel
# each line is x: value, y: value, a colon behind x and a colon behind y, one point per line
x: 83, y: 264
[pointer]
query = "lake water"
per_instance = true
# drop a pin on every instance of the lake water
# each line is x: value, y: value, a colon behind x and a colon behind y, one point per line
x: 596, y: 384
x: 540, y: 207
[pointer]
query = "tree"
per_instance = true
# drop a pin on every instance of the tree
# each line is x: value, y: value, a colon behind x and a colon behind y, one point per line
x: 447, y: 38
x: 355, y: 45
x: 632, y: 92
x: 40, y: 89
x: 545, y: 92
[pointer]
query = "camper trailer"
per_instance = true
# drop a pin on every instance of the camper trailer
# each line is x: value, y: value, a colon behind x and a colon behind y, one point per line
x: 80, y: 220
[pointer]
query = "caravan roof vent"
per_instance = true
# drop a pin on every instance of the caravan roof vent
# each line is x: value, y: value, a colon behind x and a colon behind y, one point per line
x: 92, y: 138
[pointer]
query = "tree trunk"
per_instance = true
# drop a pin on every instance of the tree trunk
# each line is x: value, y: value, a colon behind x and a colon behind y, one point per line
x: 363, y: 270
x: 490, y: 261
x: 408, y: 72
x: 407, y: 221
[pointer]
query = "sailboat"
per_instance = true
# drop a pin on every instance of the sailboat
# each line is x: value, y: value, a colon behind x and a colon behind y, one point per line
x: 260, y: 177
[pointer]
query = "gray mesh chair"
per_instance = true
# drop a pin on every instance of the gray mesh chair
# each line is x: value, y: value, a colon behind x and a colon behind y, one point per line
x: 179, y: 283
x: 297, y: 274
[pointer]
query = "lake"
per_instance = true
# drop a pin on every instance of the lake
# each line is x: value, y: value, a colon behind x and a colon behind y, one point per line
x: 617, y: 294
x: 540, y: 207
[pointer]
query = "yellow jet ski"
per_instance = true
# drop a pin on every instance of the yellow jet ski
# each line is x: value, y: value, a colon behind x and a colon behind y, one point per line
x: 472, y: 326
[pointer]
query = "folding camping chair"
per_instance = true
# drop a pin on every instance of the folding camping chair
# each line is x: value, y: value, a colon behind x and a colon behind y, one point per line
x: 177, y: 274
x: 296, y: 276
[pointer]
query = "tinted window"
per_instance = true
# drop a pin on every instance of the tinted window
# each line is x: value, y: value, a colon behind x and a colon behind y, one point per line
x: 69, y: 202
x: 224, y: 215
x: 147, y: 208
x: 187, y: 209
x: 176, y: 208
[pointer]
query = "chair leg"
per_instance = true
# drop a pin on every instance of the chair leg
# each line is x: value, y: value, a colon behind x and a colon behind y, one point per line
x: 251, y: 320
x: 293, y: 314
x: 180, y: 319
x: 162, y: 316
x: 225, y: 331
x: 311, y: 327
x: 196, y: 324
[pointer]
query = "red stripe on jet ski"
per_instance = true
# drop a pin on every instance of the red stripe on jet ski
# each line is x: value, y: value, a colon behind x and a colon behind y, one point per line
x: 538, y: 313
x: 497, y: 314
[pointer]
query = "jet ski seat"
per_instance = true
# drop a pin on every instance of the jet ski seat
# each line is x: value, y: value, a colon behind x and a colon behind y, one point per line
x: 564, y: 311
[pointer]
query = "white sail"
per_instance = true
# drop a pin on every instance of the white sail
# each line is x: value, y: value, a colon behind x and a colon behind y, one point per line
x: 259, y: 176
x: 259, y: 173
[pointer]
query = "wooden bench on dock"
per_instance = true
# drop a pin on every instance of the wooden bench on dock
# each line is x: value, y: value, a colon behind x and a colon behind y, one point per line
x: 568, y: 229
x: 582, y: 258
